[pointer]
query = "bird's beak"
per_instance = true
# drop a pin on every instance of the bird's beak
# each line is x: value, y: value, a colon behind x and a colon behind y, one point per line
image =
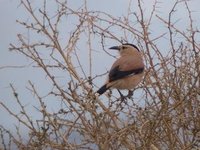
x: 115, y: 47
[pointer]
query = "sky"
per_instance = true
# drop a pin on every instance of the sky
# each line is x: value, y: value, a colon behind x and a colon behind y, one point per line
x: 10, y: 11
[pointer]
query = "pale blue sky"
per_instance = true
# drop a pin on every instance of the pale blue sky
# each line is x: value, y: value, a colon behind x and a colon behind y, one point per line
x: 10, y: 11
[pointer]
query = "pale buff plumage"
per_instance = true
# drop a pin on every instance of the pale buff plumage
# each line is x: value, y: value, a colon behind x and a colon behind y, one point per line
x: 127, y: 71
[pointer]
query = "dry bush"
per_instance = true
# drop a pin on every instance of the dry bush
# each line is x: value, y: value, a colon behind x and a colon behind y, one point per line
x: 162, y: 114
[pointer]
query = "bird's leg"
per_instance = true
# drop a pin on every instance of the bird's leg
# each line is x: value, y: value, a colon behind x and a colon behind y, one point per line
x: 130, y: 94
x: 122, y: 96
x: 123, y: 100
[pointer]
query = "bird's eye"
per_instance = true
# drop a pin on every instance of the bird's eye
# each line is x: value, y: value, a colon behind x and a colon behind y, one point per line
x: 124, y: 47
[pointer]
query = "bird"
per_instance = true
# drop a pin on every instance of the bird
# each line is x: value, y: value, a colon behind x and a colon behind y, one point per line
x: 127, y: 71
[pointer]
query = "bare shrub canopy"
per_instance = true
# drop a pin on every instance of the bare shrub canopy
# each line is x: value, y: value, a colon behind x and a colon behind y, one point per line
x: 163, y: 113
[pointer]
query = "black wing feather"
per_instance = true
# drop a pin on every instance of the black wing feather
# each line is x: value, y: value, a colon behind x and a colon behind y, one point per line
x: 116, y: 74
x: 103, y: 89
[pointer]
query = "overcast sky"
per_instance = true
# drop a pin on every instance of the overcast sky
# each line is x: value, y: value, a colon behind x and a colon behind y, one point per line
x: 10, y: 11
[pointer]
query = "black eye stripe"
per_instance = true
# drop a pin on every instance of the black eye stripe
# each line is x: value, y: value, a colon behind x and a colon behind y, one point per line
x: 131, y: 45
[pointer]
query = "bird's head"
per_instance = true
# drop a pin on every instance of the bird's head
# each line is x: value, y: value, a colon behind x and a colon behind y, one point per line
x: 126, y: 49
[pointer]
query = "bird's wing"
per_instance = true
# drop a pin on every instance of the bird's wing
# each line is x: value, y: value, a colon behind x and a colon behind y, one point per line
x: 125, y: 67
x: 116, y: 73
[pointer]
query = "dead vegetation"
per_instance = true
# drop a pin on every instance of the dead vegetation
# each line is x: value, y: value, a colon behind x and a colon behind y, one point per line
x: 163, y: 115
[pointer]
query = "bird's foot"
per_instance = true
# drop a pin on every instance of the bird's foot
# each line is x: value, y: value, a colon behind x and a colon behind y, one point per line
x: 130, y: 94
x: 122, y: 96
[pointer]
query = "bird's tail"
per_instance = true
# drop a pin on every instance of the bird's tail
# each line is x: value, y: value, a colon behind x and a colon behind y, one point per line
x: 102, y: 89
